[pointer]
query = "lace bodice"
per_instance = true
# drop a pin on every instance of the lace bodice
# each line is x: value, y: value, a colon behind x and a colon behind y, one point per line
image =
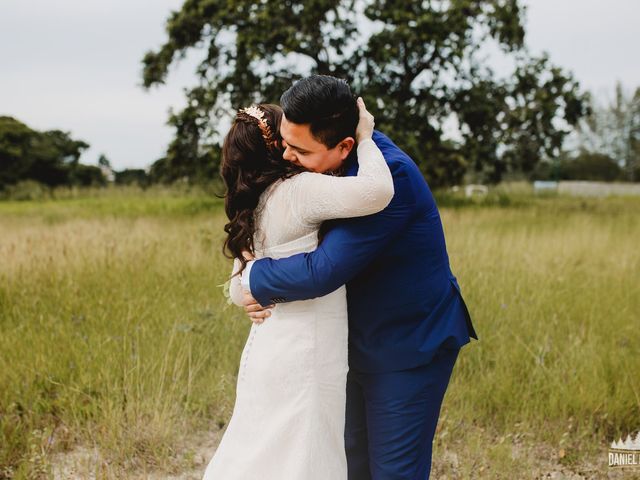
x: 295, y: 207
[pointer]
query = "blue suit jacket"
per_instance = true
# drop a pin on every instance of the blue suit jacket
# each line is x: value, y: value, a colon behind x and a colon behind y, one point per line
x: 403, y: 300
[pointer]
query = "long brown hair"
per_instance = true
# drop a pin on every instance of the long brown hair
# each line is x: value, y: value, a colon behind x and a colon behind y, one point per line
x: 248, y: 167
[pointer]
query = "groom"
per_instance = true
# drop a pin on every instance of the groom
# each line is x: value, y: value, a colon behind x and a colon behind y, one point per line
x: 407, y: 318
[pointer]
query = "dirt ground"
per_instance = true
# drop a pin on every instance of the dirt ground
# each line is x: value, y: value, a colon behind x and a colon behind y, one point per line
x: 519, y: 460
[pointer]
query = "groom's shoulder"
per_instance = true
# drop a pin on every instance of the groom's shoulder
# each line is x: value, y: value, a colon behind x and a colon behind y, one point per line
x: 395, y: 157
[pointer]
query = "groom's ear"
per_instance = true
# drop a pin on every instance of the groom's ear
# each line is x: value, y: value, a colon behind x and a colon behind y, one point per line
x: 345, y: 146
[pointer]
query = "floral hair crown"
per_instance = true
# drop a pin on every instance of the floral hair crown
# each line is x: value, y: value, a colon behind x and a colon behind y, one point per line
x: 255, y: 112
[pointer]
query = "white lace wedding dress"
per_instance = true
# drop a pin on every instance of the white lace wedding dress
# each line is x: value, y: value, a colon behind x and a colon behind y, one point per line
x: 288, y: 419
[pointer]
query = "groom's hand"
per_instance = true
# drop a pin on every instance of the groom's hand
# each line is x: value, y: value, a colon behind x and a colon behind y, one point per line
x: 257, y: 313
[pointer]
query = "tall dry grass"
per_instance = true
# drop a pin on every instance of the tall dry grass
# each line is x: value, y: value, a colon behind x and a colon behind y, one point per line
x: 115, y: 334
x: 114, y: 330
x: 554, y: 289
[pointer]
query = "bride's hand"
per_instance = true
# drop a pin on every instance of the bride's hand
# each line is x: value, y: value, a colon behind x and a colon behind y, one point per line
x: 366, y: 122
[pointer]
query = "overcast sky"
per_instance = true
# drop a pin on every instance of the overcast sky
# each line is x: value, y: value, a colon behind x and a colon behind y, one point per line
x: 75, y: 65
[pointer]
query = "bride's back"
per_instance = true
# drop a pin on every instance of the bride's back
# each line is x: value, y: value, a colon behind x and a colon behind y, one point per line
x: 280, y: 228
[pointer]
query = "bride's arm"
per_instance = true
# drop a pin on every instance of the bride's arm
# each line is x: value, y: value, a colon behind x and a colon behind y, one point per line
x: 318, y: 197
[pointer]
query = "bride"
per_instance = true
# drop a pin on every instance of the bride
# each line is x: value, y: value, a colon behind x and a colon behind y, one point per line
x: 289, y: 416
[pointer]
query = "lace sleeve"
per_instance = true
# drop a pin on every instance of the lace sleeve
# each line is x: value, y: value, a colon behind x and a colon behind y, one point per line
x: 318, y: 197
x: 235, y: 288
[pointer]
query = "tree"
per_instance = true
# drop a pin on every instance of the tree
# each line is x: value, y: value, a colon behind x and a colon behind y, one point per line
x: 132, y: 176
x: 585, y: 165
x: 418, y: 65
x: 105, y: 167
x: 591, y: 166
x: 50, y: 157
x: 87, y: 176
x: 189, y: 155
x: 103, y: 161
x: 15, y: 141
x: 613, y: 129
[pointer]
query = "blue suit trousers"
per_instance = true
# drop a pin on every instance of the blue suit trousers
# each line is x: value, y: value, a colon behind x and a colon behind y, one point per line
x: 391, y: 419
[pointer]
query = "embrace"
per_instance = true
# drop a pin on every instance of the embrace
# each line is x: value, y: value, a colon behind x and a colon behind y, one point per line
x: 340, y: 261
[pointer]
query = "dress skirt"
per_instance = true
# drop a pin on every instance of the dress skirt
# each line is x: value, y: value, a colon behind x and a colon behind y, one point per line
x: 289, y: 415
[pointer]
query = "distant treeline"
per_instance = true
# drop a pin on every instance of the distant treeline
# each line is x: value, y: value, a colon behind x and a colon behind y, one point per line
x: 31, y: 160
x: 584, y: 166
x: 52, y: 159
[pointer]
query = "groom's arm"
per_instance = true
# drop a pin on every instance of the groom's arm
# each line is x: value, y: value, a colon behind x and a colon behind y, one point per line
x: 346, y: 250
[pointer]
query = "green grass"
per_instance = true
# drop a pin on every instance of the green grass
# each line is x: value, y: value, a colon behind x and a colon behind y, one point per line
x: 131, y: 202
x: 115, y: 332
x: 554, y: 289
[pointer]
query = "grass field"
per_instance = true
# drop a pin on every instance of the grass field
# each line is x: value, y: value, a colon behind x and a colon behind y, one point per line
x: 116, y: 335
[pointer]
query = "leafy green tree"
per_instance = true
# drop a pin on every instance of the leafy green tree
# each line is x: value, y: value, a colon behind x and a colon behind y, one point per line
x: 86, y: 176
x: 15, y: 140
x: 132, y: 176
x: 583, y: 166
x: 418, y: 64
x: 191, y: 155
x: 591, y: 166
x: 51, y: 157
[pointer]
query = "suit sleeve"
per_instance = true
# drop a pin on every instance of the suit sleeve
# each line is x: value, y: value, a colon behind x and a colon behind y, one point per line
x: 347, y: 248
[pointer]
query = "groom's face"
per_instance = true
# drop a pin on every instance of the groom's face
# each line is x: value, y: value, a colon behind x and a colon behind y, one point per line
x: 303, y: 149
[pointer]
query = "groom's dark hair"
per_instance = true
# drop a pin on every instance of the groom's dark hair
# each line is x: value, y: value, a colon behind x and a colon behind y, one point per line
x: 326, y: 104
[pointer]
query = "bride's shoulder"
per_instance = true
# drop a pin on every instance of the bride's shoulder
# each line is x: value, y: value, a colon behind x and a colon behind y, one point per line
x: 296, y: 180
x: 288, y: 186
x: 304, y: 177
x: 305, y: 174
